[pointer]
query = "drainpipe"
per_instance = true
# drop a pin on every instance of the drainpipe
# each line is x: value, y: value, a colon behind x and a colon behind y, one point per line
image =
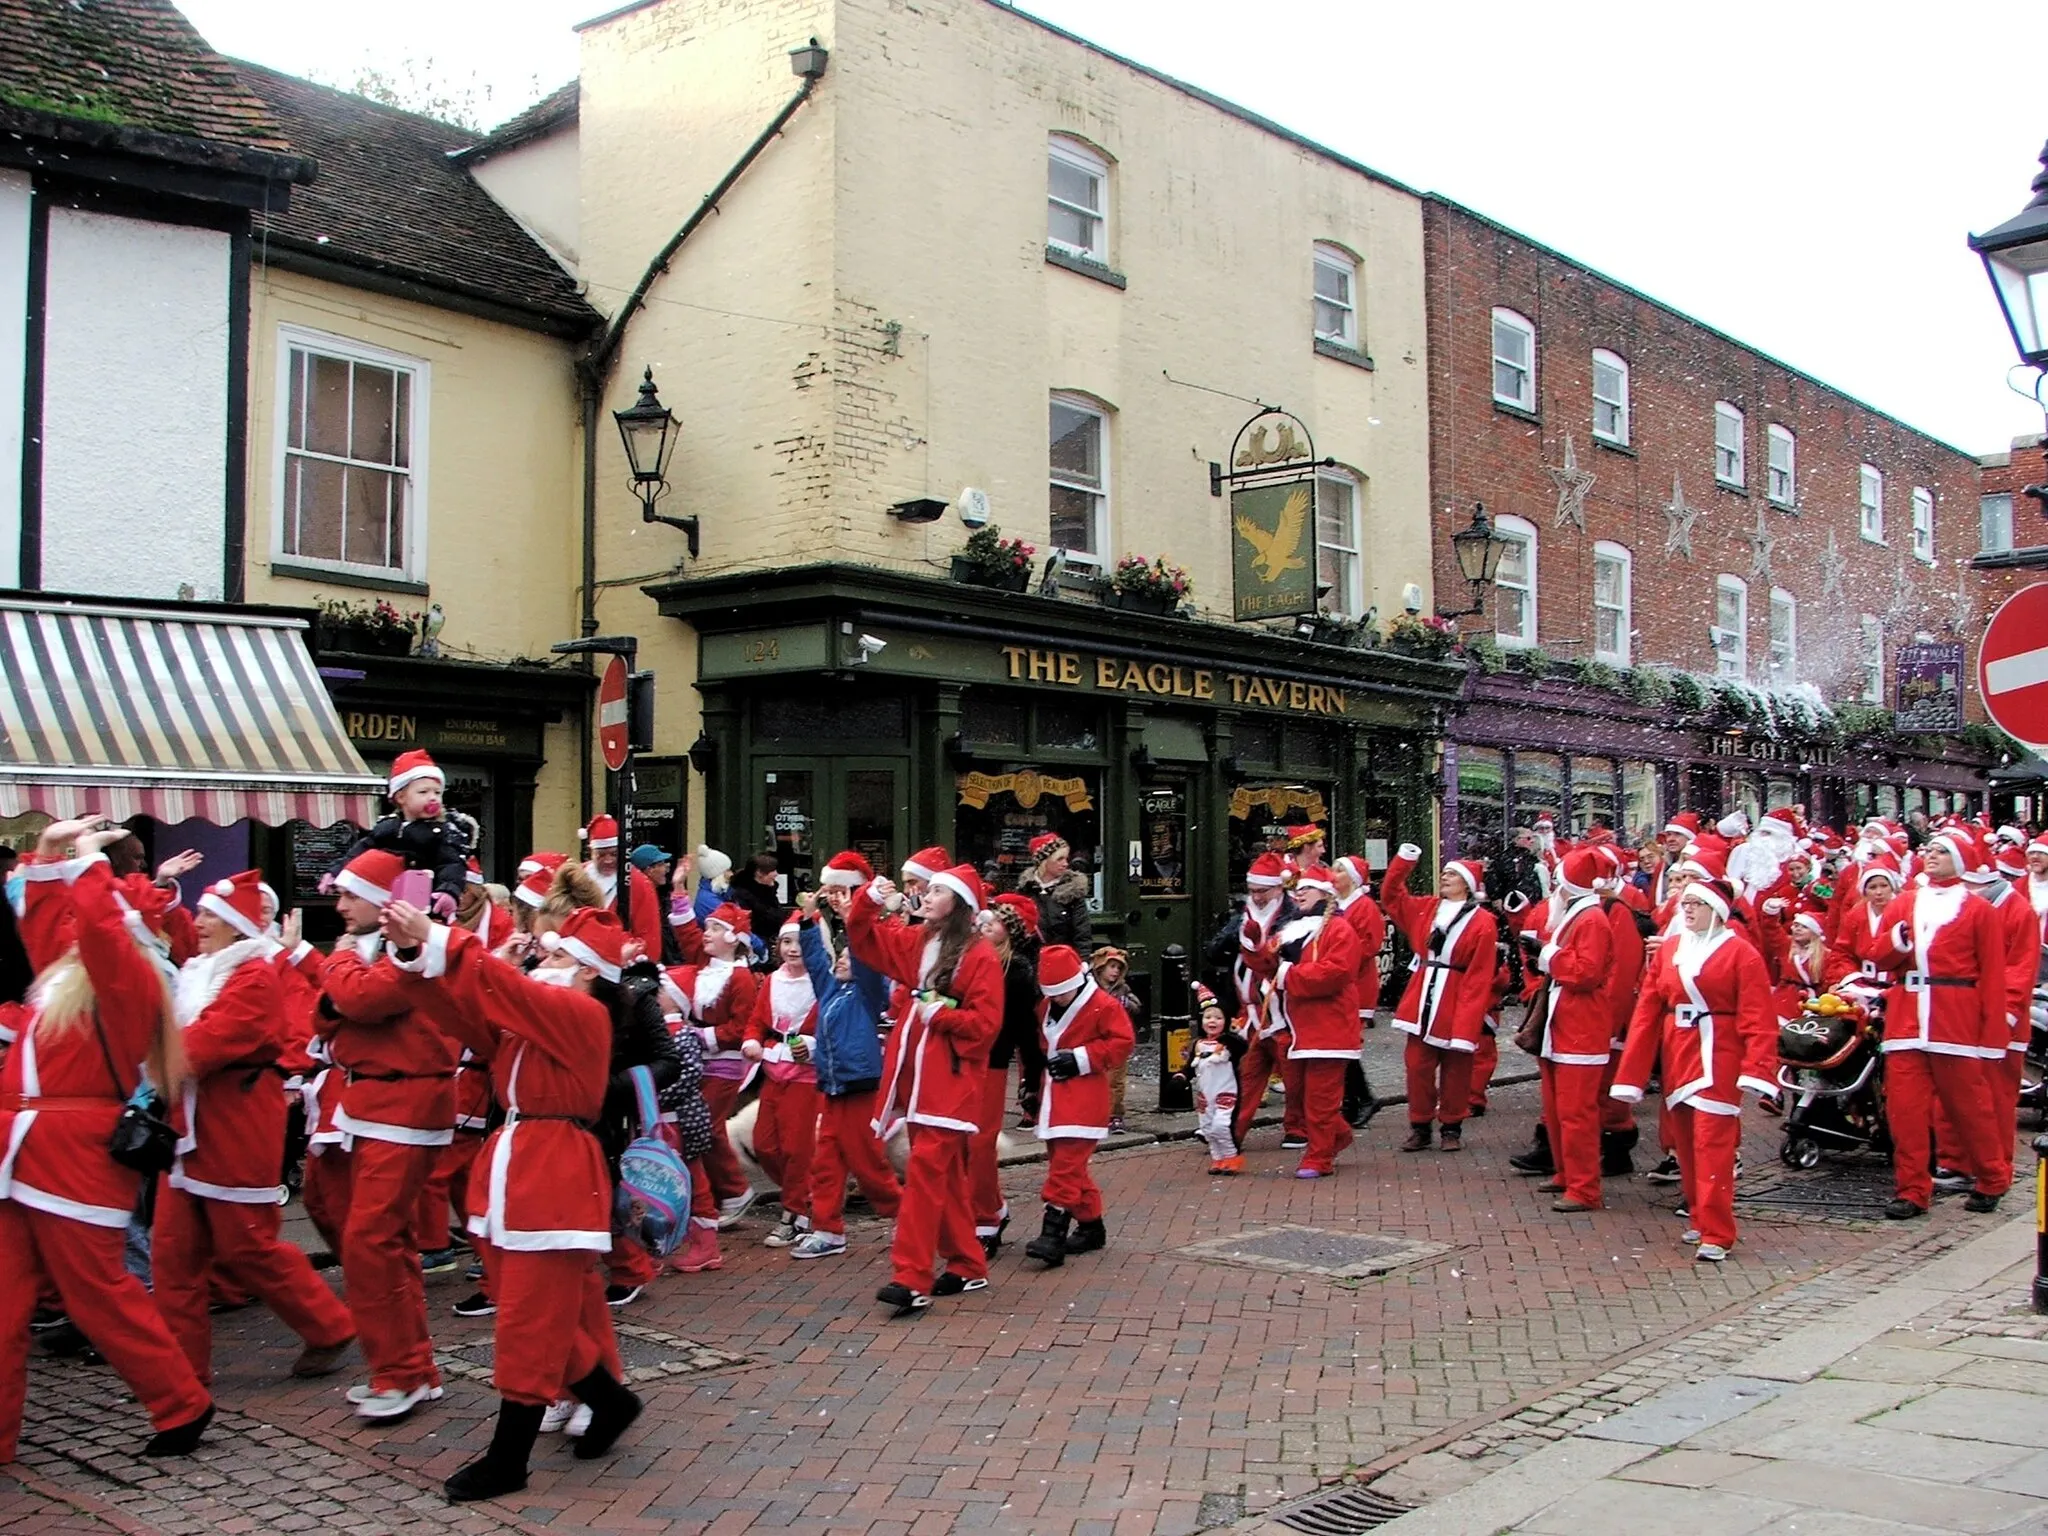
x: 595, y: 365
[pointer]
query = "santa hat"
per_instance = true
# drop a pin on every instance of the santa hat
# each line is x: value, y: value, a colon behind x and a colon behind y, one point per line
x: 1355, y: 867
x: 1268, y: 871
x: 1614, y: 861
x: 1059, y: 968
x: 1025, y: 908
x: 1961, y: 847
x: 473, y: 872
x: 1685, y: 823
x: 1716, y: 893
x: 145, y: 907
x: 1205, y: 1000
x: 541, y: 863
x: 732, y: 916
x: 1579, y: 871
x: 792, y: 926
x: 1885, y: 864
x: 2038, y: 843
x: 238, y: 902
x: 963, y: 882
x: 1316, y: 878
x: 1734, y: 825
x: 592, y: 937
x: 847, y: 870
x: 1704, y: 862
x: 414, y: 765
x: 369, y: 875
x: 603, y: 832
x: 2009, y: 836
x: 1047, y: 845
x: 1303, y: 836
x: 2010, y: 865
x: 1782, y: 824
x: 1811, y: 917
x: 1544, y: 823
x: 1472, y: 872
x: 533, y: 889
x: 925, y: 863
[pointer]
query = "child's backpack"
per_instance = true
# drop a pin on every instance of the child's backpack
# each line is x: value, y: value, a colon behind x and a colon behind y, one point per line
x: 652, y: 1203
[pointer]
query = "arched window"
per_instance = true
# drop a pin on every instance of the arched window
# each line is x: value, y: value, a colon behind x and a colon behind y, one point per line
x: 1080, y: 478
x: 1514, y: 585
x: 1336, y: 304
x: 1077, y: 199
x: 1339, y: 561
x: 1613, y: 577
x: 1610, y: 398
x: 1731, y: 626
x: 1514, y: 360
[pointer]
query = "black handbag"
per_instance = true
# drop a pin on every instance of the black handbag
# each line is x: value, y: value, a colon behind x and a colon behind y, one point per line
x: 142, y: 1139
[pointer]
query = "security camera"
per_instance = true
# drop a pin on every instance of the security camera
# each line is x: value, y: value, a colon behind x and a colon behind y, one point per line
x: 870, y: 646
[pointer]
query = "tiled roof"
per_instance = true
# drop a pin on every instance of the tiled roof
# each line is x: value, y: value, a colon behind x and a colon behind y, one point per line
x: 388, y: 200
x: 130, y: 63
x: 557, y: 107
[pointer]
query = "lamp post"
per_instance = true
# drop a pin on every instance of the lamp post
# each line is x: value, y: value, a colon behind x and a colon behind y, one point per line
x: 2016, y: 260
x: 1478, y: 547
x: 647, y: 428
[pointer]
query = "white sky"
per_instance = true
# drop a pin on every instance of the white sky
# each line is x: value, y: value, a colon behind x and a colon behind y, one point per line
x: 1799, y: 173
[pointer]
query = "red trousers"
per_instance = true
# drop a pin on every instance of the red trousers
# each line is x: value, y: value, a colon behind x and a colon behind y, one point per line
x: 103, y: 1299
x: 935, y: 1217
x: 1571, y: 1112
x: 985, y: 1184
x: 1706, y: 1145
x: 628, y: 1263
x: 1321, y: 1101
x: 325, y: 1192
x: 381, y: 1264
x: 721, y: 1163
x: 1430, y: 1065
x: 2003, y: 1081
x: 553, y: 1326
x: 847, y: 1143
x: 1485, y: 1061
x: 445, y: 1194
x: 785, y: 1134
x: 1068, y: 1184
x: 193, y: 1235
x: 1913, y: 1080
x: 1615, y: 1114
x: 1264, y: 1059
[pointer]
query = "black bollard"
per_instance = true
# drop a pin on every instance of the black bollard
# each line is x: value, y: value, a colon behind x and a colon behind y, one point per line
x: 1172, y: 1020
x: 2041, y: 1224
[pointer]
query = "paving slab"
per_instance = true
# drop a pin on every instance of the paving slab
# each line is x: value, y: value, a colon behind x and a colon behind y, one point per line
x: 1972, y: 1413
x: 2029, y: 1477
x: 1689, y: 1469
x: 1614, y: 1508
x: 1812, y: 1349
x: 1998, y: 1375
x: 1518, y: 1493
x: 1887, y: 1361
x: 1818, y: 1522
x: 1826, y: 1402
x: 2035, y: 1351
x: 1672, y: 1416
x: 1934, y: 1457
x: 1881, y: 1496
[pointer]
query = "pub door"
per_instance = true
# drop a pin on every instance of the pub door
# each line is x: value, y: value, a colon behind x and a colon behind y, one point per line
x: 1163, y: 860
x: 805, y: 809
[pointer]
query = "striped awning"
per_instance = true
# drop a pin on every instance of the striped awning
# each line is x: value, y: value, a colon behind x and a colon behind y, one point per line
x: 170, y: 713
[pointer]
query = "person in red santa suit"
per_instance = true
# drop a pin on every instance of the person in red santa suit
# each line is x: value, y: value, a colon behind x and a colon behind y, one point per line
x: 1679, y: 834
x: 932, y: 1075
x: 1625, y: 925
x: 644, y: 905
x: 1571, y: 1018
x: 97, y: 1019
x: 397, y: 1111
x: 786, y: 1122
x: 1451, y: 987
x: 1010, y: 924
x: 1316, y: 992
x: 1705, y: 1013
x: 1860, y: 953
x: 218, y: 1204
x: 1944, y: 1020
x: 717, y: 1000
x: 1267, y: 909
x: 1353, y: 879
x: 543, y: 1217
x: 2020, y: 935
x: 2035, y: 887
x: 1087, y: 1032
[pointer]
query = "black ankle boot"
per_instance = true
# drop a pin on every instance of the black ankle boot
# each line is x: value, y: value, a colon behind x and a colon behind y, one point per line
x: 179, y: 1439
x: 1087, y: 1236
x: 1615, y: 1147
x: 613, y: 1408
x: 1537, y: 1159
x: 502, y: 1468
x: 1050, y: 1246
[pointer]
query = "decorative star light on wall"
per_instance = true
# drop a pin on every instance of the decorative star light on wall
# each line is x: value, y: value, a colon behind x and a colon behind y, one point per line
x: 1905, y: 598
x: 1962, y: 605
x: 1572, y: 484
x: 1833, y: 567
x: 1678, y: 539
x: 1761, y: 542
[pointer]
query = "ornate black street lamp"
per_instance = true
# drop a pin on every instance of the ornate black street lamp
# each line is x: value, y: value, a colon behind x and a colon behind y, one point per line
x: 1478, y: 548
x: 648, y: 430
x: 2016, y: 259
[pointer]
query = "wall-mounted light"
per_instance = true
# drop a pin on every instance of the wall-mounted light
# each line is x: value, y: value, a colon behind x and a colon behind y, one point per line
x: 921, y: 509
x: 647, y: 428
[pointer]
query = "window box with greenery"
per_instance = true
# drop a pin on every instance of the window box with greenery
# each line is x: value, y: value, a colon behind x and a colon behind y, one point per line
x: 988, y: 559
x: 365, y: 629
x: 1138, y: 585
x: 1422, y: 635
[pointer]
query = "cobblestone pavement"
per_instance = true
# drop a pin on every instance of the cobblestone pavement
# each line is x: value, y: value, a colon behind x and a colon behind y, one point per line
x: 1139, y: 1389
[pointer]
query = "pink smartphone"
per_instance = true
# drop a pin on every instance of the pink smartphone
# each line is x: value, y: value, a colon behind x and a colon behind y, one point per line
x: 414, y: 887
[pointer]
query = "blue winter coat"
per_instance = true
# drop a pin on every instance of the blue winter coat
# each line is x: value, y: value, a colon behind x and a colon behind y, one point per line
x: 847, y: 1050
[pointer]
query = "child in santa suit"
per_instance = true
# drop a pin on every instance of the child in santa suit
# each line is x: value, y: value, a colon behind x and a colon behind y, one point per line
x: 422, y: 832
x: 1316, y: 987
x: 1706, y: 1011
x: 1450, y: 989
x: 786, y: 1123
x: 218, y: 1204
x: 1087, y: 1034
x: 1210, y: 1070
x: 543, y: 1218
x: 717, y: 1000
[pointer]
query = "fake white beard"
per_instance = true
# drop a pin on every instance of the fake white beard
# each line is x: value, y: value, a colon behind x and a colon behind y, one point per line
x: 554, y: 975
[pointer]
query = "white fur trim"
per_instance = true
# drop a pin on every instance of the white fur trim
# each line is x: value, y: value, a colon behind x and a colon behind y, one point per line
x: 851, y: 878
x: 356, y: 885
x: 1081, y: 1060
x: 226, y: 913
x: 429, y: 771
x: 586, y: 956
x: 945, y: 880
x: 1626, y: 1094
x: 68, y: 871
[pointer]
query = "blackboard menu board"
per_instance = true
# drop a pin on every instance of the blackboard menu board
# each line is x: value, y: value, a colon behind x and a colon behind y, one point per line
x: 315, y: 850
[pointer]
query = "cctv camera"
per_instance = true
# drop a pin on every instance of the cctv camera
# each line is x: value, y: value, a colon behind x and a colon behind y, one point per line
x: 870, y: 646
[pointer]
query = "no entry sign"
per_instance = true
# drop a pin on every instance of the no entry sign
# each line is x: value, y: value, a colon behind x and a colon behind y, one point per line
x: 2012, y: 665
x: 611, y: 713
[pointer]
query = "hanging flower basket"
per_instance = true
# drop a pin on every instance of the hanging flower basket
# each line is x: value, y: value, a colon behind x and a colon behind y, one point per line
x: 988, y: 559
x: 1428, y: 637
x: 1138, y: 585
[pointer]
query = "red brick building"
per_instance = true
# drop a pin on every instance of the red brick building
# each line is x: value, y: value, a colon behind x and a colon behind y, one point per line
x: 2013, y: 553
x: 1706, y: 544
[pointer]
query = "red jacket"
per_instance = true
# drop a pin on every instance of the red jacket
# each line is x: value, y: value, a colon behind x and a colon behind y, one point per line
x: 1951, y: 998
x: 1707, y: 1008
x: 400, y: 1067
x: 936, y: 1059
x: 1450, y: 988
x: 784, y: 1005
x: 2022, y: 934
x: 717, y: 998
x: 1799, y: 979
x: 1370, y: 924
x: 1319, y: 991
x: 231, y: 1123
x: 647, y: 916
x: 1625, y: 974
x: 1576, y: 957
x: 542, y: 1183
x: 1097, y: 1029
x: 1253, y: 969
x: 56, y: 1160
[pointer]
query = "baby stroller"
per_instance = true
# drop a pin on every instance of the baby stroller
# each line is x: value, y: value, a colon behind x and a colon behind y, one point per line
x: 1832, y: 1074
x: 2034, y: 1074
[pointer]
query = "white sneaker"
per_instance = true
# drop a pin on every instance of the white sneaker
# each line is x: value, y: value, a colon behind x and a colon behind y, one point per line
x: 787, y: 1231
x: 819, y: 1245
x: 1689, y: 1235
x: 579, y: 1422
x: 362, y: 1394
x: 1711, y: 1253
x: 560, y: 1411
x: 393, y: 1404
x: 730, y: 1211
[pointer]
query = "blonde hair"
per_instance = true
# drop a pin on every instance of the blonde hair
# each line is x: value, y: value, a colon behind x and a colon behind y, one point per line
x: 573, y: 888
x: 65, y: 1003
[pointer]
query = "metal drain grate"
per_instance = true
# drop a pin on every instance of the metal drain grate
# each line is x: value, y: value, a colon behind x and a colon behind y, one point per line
x: 1842, y: 1190
x: 649, y: 1354
x: 1344, y: 1511
x: 1315, y: 1251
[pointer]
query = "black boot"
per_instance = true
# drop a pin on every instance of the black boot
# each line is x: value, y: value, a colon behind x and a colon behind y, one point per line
x: 612, y: 1410
x: 1537, y: 1159
x: 179, y: 1439
x: 1615, y: 1146
x: 1087, y: 1236
x: 992, y: 1241
x: 501, y: 1469
x: 1050, y: 1246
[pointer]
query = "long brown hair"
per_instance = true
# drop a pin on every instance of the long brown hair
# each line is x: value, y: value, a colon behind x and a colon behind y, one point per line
x: 954, y: 931
x: 64, y: 1002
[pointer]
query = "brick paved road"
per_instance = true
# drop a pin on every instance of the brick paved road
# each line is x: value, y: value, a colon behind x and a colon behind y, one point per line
x: 1134, y: 1390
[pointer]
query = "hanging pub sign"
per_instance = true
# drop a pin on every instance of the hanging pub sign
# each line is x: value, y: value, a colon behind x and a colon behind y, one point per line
x: 1929, y: 689
x: 1272, y: 517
